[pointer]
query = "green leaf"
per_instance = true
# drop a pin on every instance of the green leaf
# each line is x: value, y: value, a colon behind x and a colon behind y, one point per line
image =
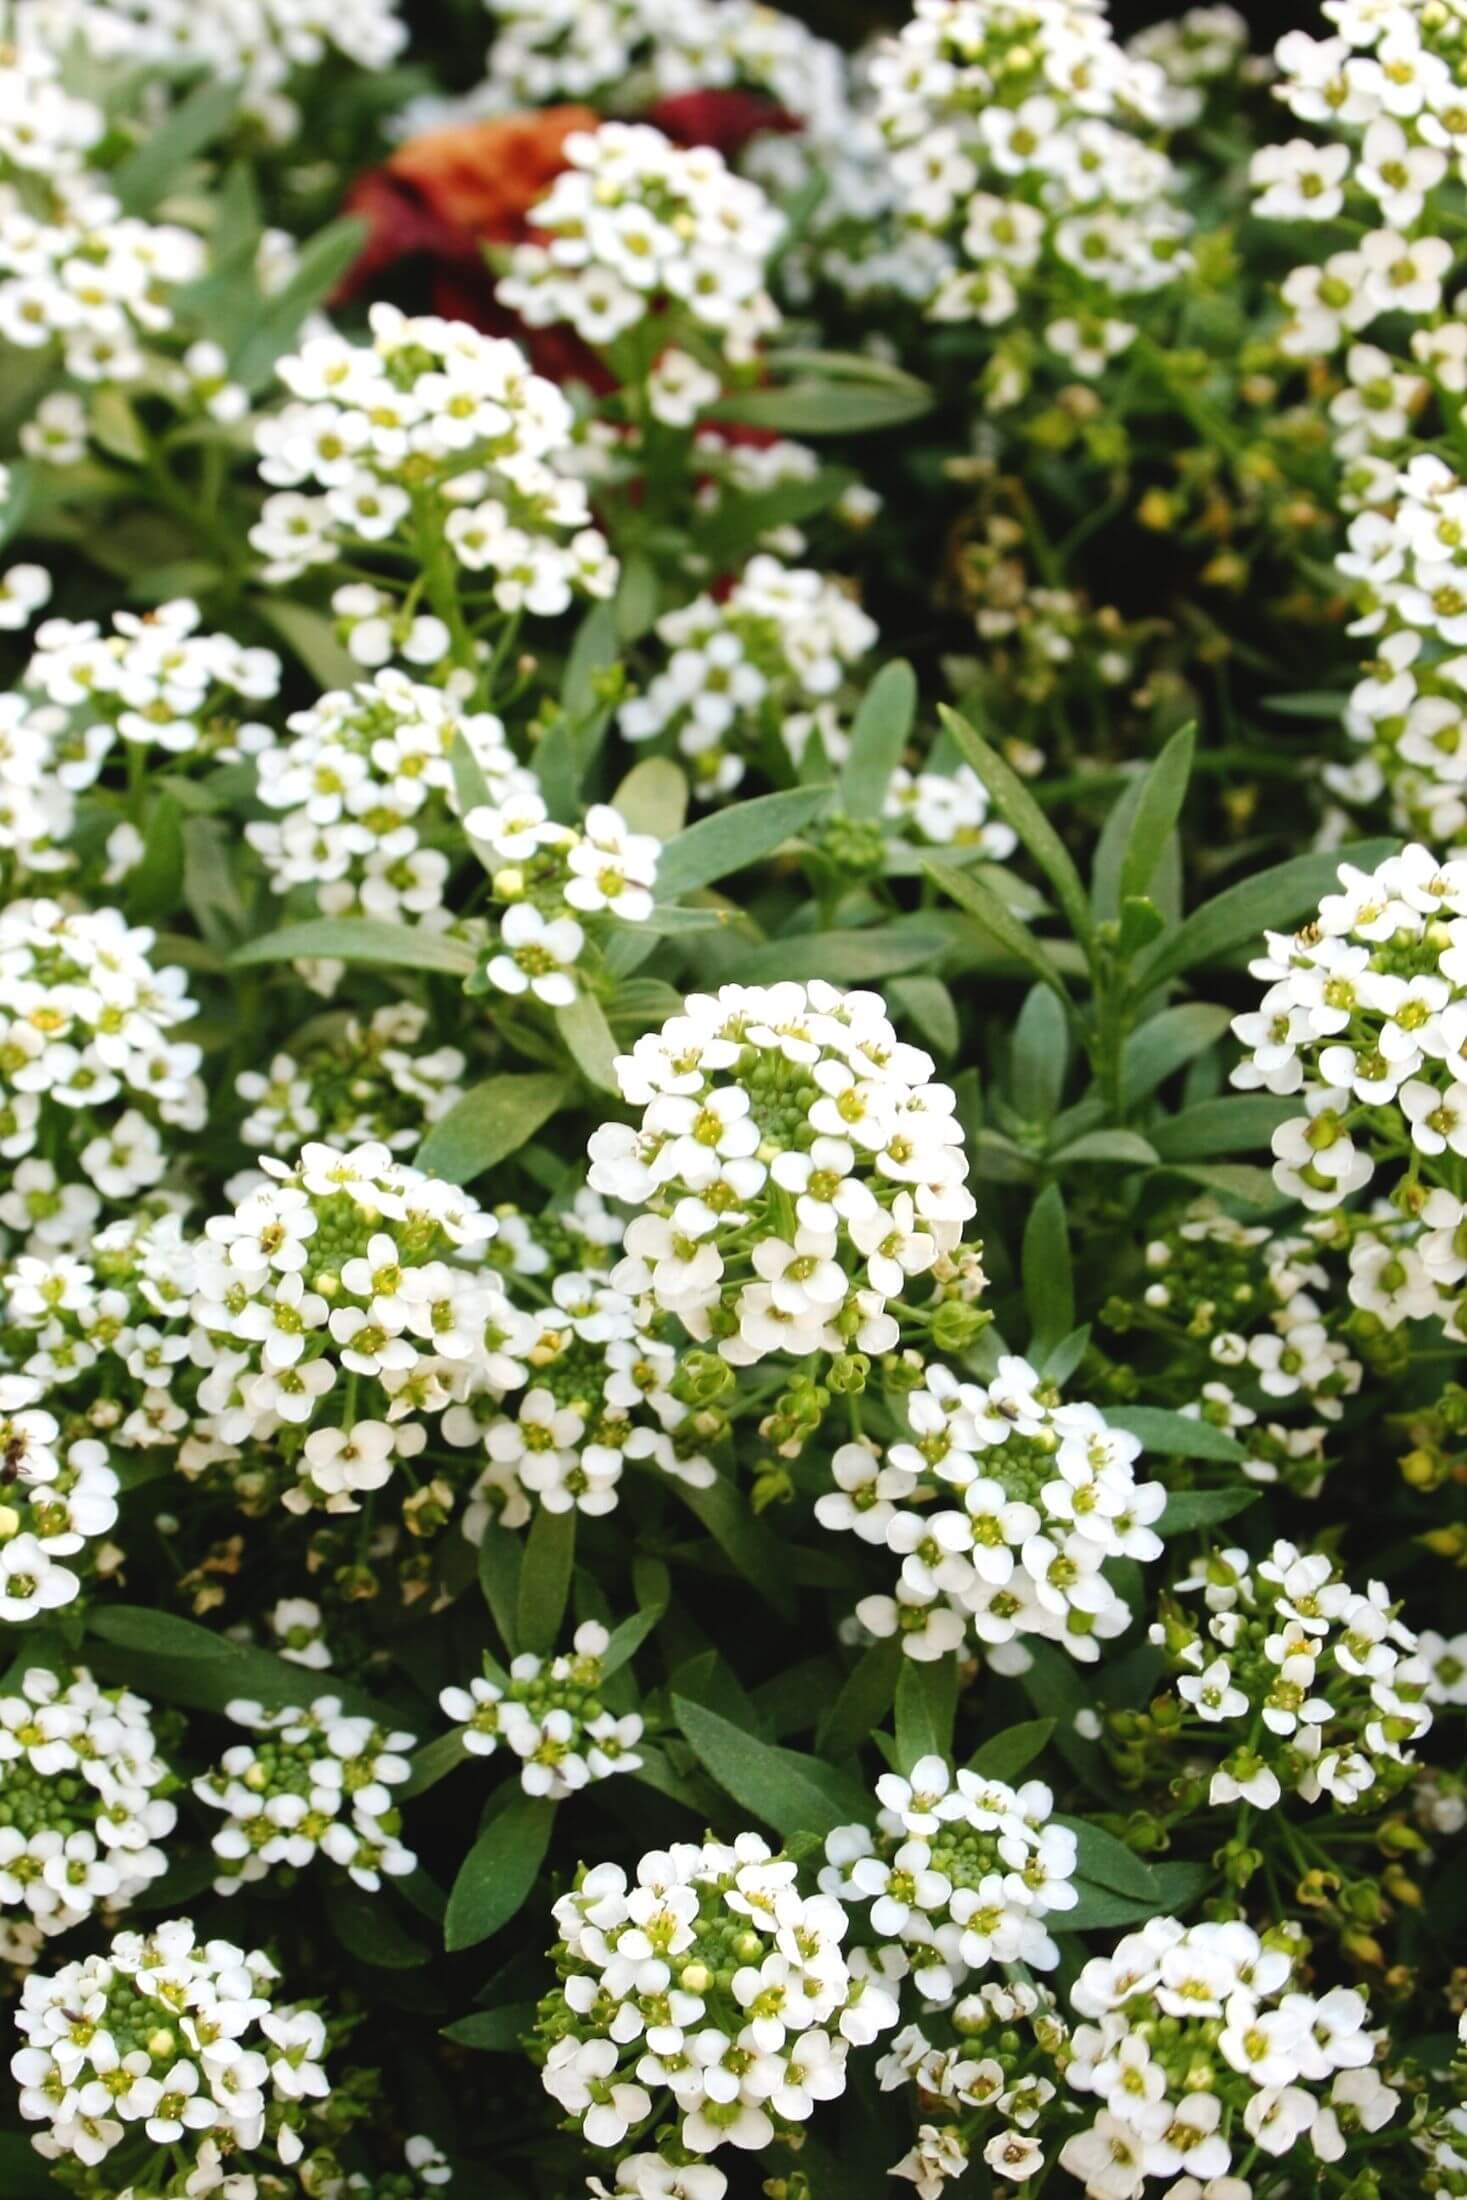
x: 501, y: 1555
x: 927, y: 1004
x: 1006, y: 931
x: 491, y: 1121
x: 311, y: 637
x: 1274, y: 901
x: 744, y: 1540
x: 159, y: 1634
x: 1108, y: 1862
x: 545, y: 1578
x: 495, y: 2031
x: 154, y: 886
x: 1202, y: 1508
x: 844, y: 958
x: 732, y: 839
x: 926, y: 1709
x: 496, y: 1876
x: 1237, y: 1122
x: 367, y: 1929
x: 864, y: 1700
x: 1041, y: 1048
x: 784, y: 1788
x: 653, y: 798
x: 1017, y: 806
x: 639, y: 598
x: 319, y: 266
x: 433, y: 1762
x: 1176, y: 1435
x: 1174, y: 1887
x: 628, y: 1638
x: 1006, y: 1755
x: 1049, y: 1283
x: 879, y: 732
x: 1052, y: 1682
x: 834, y: 407
x: 596, y: 646
x: 1166, y: 1043
x: 1159, y: 799
x: 1234, y: 1180
x: 588, y: 1040
x: 140, y: 181
x: 361, y: 940
x: 1128, y: 1148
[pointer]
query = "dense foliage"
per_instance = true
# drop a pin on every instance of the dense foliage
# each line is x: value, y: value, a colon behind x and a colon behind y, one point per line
x: 733, y: 1103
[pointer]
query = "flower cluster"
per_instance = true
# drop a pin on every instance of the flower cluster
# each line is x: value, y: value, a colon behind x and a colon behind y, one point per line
x: 438, y: 439
x: 1040, y: 1496
x: 89, y: 1064
x: 1247, y: 1311
x: 365, y: 1083
x: 550, y: 882
x: 712, y: 1978
x: 1198, y: 2042
x: 1363, y: 1020
x: 83, y: 1800
x: 366, y: 794
x: 576, y: 1388
x: 1323, y: 1684
x: 1018, y: 135
x: 796, y: 1165
x: 268, y: 45
x: 337, y: 1311
x: 639, y: 231
x: 549, y: 1713
x: 77, y: 275
x: 318, y: 1782
x: 780, y: 640
x: 963, y: 1873
x: 999, y: 2072
x: 180, y: 2038
x: 57, y: 1497
x: 632, y: 52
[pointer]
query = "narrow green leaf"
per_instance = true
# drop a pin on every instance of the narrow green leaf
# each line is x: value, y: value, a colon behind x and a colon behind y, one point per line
x: 588, y: 1040
x: 1158, y: 807
x: 1126, y: 1147
x: 367, y: 1929
x: 1273, y: 900
x: 1203, y: 1508
x: 491, y: 1121
x: 879, y: 732
x: 495, y: 2031
x: 1234, y: 1180
x: 835, y: 407
x: 926, y: 1709
x: 1108, y: 1862
x: 1049, y: 1283
x: 545, y: 1579
x: 311, y: 637
x: 496, y: 1876
x: 864, y: 1700
x: 1040, y: 1057
x: 433, y: 1762
x: 319, y: 266
x: 596, y: 646
x: 501, y: 1555
x: 1237, y: 1122
x: 1166, y: 1043
x: 1006, y: 1755
x: 1017, y: 806
x: 1003, y: 928
x: 160, y: 1634
x: 628, y: 1638
x: 140, y: 181
x: 1054, y: 1686
x: 361, y: 940
x: 653, y: 798
x: 844, y: 958
x: 732, y: 839
x: 744, y: 1540
x: 155, y: 885
x: 1176, y: 1435
x: 927, y: 1004
x: 785, y: 1789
